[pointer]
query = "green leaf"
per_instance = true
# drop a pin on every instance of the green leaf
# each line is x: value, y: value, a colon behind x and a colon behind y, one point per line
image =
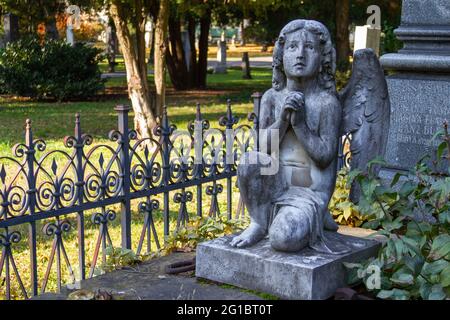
x: 445, y: 277
x: 440, y: 150
x: 425, y: 290
x: 396, y: 178
x: 402, y: 278
x: 444, y: 217
x: 439, y: 133
x: 435, y: 267
x: 395, y: 294
x: 414, y: 264
x: 407, y: 188
x: 352, y: 175
x: 437, y: 293
x: 413, y: 245
x: 440, y: 247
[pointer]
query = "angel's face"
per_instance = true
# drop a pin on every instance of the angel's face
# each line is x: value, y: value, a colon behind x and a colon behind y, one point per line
x: 301, y: 55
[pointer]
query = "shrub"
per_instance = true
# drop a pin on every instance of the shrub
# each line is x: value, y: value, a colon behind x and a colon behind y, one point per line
x: 53, y: 69
x: 343, y: 210
x: 413, y: 212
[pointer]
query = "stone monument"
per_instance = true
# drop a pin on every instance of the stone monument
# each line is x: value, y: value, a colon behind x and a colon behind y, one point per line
x: 419, y: 87
x: 245, y: 66
x: 291, y: 248
x: 11, y: 27
x: 221, y: 65
x: 367, y: 37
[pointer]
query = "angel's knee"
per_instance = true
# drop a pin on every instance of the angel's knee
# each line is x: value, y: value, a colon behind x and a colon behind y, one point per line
x: 289, y: 230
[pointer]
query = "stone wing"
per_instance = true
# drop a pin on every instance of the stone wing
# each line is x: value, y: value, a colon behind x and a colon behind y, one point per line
x: 366, y: 112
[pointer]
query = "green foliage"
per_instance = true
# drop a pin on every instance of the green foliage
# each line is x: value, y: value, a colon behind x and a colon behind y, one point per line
x: 201, y: 229
x: 343, y: 210
x: 342, y: 78
x: 186, y: 239
x: 389, y: 42
x: 413, y: 212
x: 118, y: 258
x: 53, y: 69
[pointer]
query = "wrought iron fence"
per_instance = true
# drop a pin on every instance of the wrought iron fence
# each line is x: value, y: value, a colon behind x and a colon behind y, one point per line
x: 38, y: 185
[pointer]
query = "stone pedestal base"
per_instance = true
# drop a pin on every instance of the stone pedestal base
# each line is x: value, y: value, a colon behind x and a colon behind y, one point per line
x: 306, y: 275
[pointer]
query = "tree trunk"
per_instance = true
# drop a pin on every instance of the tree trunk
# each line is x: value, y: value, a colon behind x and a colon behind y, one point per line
x: 137, y: 82
x: 160, y: 55
x: 202, y: 67
x: 195, y: 77
x: 342, y: 33
x: 193, y: 72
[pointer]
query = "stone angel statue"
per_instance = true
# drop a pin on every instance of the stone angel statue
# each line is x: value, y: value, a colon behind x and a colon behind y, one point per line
x: 290, y: 205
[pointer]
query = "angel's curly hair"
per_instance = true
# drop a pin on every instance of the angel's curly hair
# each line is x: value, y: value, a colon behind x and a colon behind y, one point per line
x: 328, y: 54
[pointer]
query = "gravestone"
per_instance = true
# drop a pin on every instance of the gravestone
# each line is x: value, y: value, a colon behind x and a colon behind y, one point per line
x: 111, y: 46
x: 419, y: 87
x: 11, y: 27
x: 367, y: 37
x: 221, y: 65
x: 245, y: 66
x: 187, y: 48
x: 70, y: 38
x: 291, y: 247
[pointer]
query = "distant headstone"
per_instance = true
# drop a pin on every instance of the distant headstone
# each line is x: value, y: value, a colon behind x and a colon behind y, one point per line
x: 11, y: 27
x: 187, y: 48
x: 367, y: 37
x: 420, y: 86
x: 233, y: 41
x: 111, y: 47
x: 221, y: 65
x: 70, y: 38
x: 245, y: 66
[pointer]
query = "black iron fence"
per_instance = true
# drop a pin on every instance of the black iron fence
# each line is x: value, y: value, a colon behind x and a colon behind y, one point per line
x: 38, y: 185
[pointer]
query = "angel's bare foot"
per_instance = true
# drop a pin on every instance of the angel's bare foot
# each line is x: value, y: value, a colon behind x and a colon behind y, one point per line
x: 250, y: 236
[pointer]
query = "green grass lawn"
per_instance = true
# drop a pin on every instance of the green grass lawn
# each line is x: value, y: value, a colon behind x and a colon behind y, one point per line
x: 53, y: 121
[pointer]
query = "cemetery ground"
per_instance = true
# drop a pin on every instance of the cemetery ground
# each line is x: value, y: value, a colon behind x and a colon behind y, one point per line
x: 52, y: 121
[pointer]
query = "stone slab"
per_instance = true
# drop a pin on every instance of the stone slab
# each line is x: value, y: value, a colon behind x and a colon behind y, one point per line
x: 306, y: 275
x: 419, y: 106
x: 149, y: 281
x: 429, y: 12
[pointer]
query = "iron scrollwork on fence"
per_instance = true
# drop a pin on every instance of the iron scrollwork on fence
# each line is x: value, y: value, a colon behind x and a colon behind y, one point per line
x: 60, y: 188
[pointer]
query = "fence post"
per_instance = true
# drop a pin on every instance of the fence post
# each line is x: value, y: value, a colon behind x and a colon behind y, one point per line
x: 229, y: 121
x: 30, y: 157
x: 166, y: 131
x: 125, y: 210
x: 80, y: 141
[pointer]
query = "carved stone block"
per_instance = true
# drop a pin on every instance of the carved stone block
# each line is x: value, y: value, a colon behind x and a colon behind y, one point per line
x: 306, y: 275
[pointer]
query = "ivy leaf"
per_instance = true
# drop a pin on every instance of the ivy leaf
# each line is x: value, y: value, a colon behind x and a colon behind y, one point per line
x: 440, y: 247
